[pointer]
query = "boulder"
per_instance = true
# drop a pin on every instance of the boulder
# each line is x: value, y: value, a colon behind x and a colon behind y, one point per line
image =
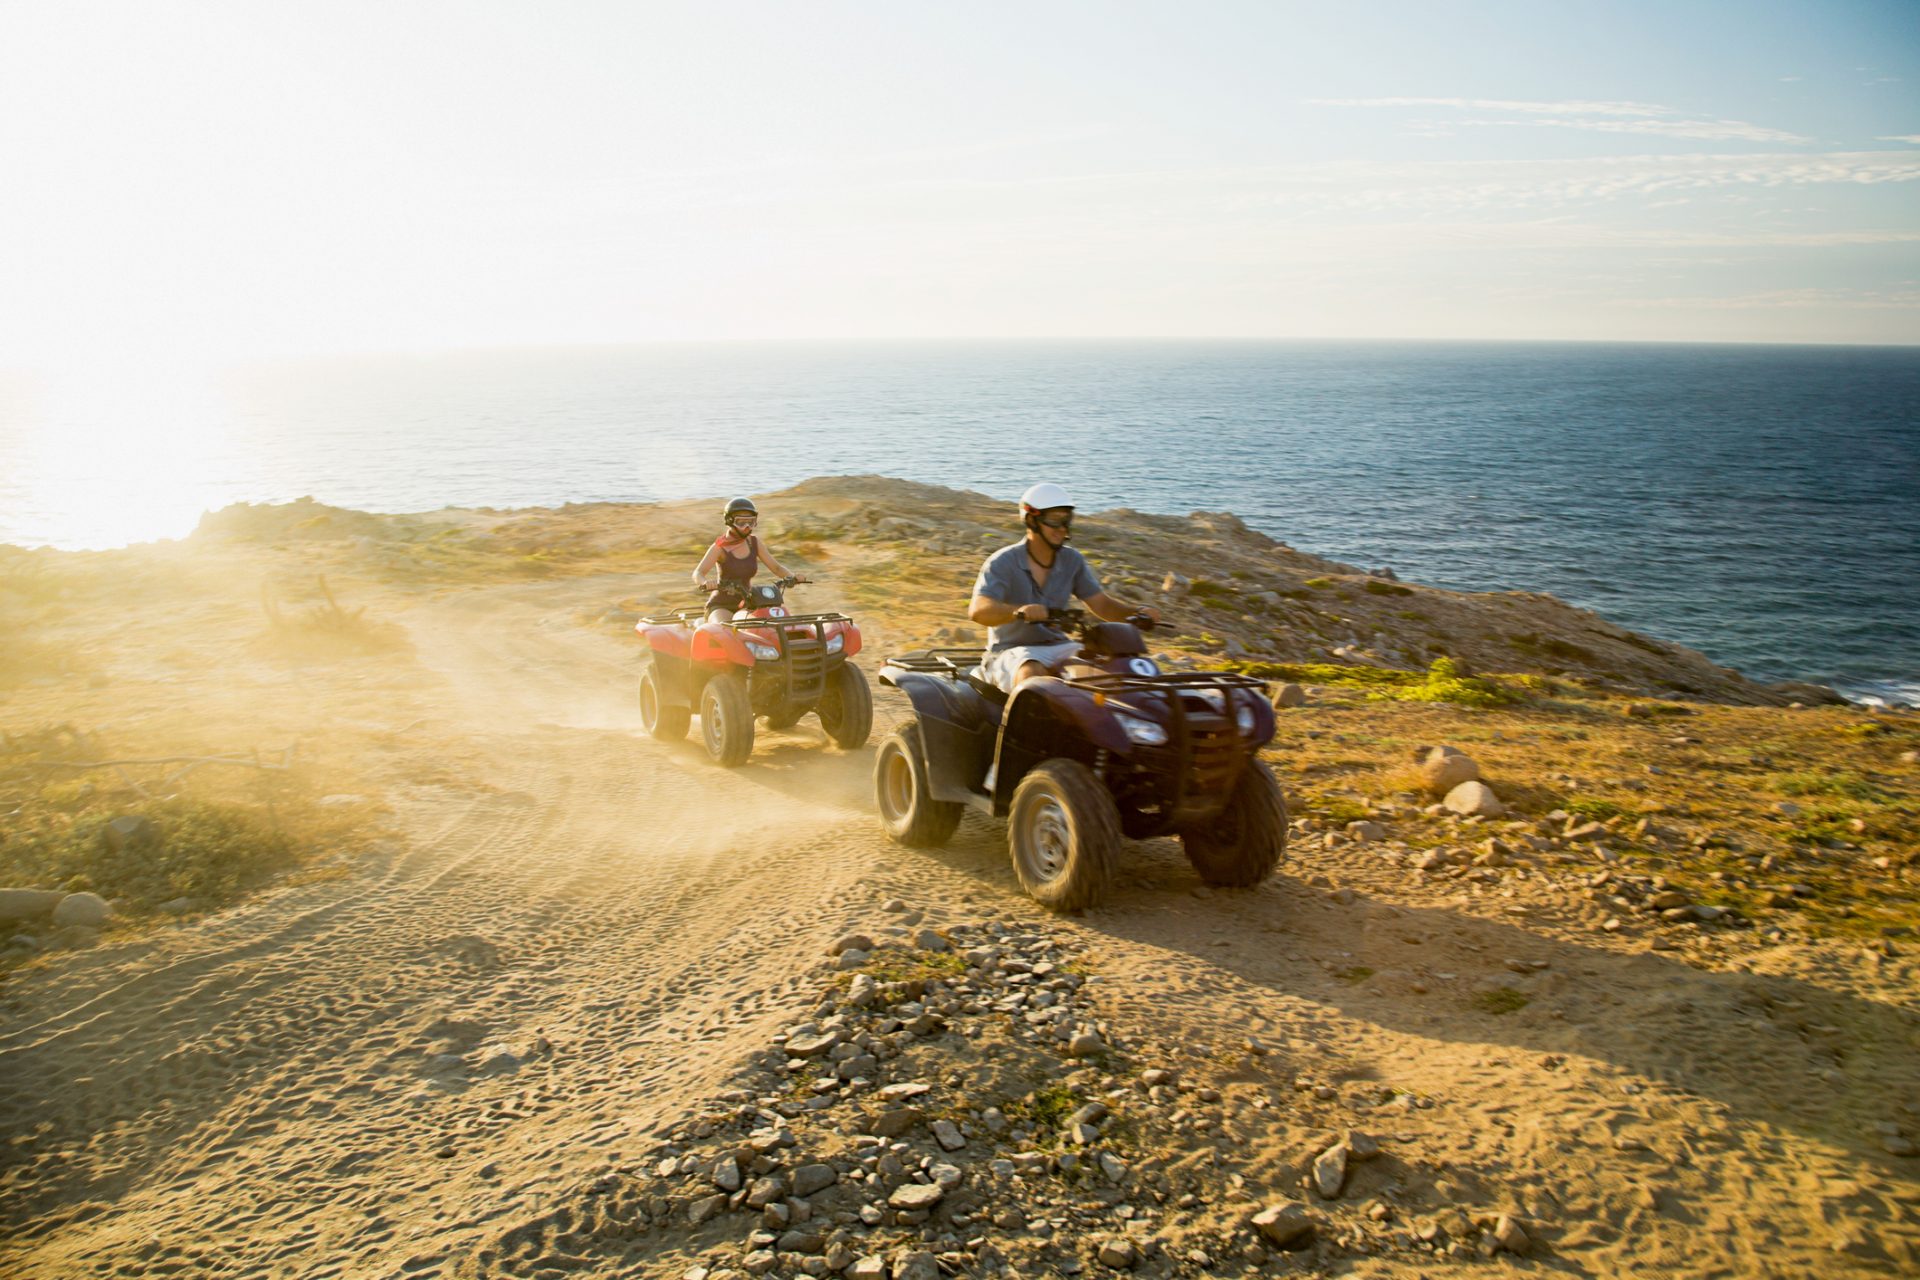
x: 128, y: 831
x: 87, y: 909
x: 916, y: 1195
x: 1287, y: 1224
x: 1443, y: 768
x: 1474, y: 798
x: 1289, y: 695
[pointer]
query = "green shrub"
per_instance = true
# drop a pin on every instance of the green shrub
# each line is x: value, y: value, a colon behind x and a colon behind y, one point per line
x: 1319, y: 584
x: 1377, y: 587
x: 202, y: 850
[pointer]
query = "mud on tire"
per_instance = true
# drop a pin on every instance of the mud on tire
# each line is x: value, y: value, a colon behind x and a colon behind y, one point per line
x: 1245, y: 843
x: 1063, y: 833
x: 726, y: 719
x: 910, y: 815
x: 667, y: 723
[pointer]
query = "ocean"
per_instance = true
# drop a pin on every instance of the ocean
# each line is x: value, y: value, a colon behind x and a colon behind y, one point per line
x: 1760, y: 504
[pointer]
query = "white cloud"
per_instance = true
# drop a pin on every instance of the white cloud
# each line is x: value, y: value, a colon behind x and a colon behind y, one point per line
x: 1605, y: 117
x: 1914, y: 138
x: 1788, y: 299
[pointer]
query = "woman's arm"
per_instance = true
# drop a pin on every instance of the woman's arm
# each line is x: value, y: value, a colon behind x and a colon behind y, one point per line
x: 700, y: 575
x: 766, y: 558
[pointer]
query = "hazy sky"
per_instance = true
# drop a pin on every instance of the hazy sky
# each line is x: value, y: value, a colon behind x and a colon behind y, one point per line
x: 217, y: 178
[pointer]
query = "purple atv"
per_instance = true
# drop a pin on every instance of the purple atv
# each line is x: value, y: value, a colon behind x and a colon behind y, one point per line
x: 1113, y: 747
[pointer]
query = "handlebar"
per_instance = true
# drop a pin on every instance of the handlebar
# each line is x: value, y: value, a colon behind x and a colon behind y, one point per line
x: 1075, y: 619
x: 782, y: 583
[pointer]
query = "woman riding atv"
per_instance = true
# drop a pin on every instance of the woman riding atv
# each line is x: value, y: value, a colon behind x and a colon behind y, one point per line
x: 737, y: 552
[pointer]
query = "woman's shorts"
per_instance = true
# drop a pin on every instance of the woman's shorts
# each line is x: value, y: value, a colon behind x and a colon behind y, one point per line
x: 732, y: 599
x: 1002, y: 665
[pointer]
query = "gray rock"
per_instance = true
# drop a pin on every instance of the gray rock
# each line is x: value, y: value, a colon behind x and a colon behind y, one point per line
x: 1510, y: 1235
x: 894, y: 1123
x: 760, y: 1262
x: 871, y: 1267
x: 918, y: 1265
x: 812, y: 1046
x: 928, y: 940
x: 1289, y: 695
x: 704, y: 1208
x: 798, y: 1241
x: 916, y: 1195
x: 1431, y: 860
x: 863, y: 991
x: 1474, y: 798
x: 1364, y: 831
x: 28, y: 904
x: 1287, y: 1224
x: 726, y: 1174
x: 766, y: 1190
x: 948, y: 1135
x: 851, y: 942
x: 809, y: 1178
x: 1443, y: 768
x: 1086, y: 1044
x: 1330, y: 1171
x: 1118, y: 1253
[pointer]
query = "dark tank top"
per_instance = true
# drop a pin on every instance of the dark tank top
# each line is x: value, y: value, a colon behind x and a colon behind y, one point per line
x: 738, y: 569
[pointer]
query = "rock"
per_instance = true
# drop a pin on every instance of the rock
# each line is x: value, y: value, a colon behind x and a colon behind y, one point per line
x: 1474, y: 798
x: 1668, y: 899
x: 809, y: 1046
x: 1365, y: 831
x: 1330, y: 1171
x: 1287, y: 1224
x: 1786, y: 809
x: 1431, y: 860
x: 919, y: 1265
x: 1895, y: 1145
x: 28, y: 904
x: 852, y: 958
x: 798, y: 1241
x: 706, y: 1207
x: 916, y: 1195
x: 726, y: 1174
x: 928, y: 940
x: 765, y: 1191
x: 863, y: 991
x: 179, y: 906
x: 760, y: 1262
x: 871, y: 1267
x: 809, y: 1178
x: 894, y: 1123
x: 1510, y: 1235
x: 851, y: 942
x: 1086, y: 1044
x: 1173, y: 582
x: 1289, y: 695
x: 1444, y: 768
x: 1361, y: 1146
x: 1118, y: 1253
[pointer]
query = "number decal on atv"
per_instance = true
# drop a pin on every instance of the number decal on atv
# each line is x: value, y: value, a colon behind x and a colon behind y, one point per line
x: 1144, y: 667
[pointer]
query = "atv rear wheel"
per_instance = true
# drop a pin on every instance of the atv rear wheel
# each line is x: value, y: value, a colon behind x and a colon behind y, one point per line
x: 726, y: 719
x: 667, y: 723
x: 846, y: 708
x: 1064, y: 834
x: 909, y: 813
x: 1245, y: 843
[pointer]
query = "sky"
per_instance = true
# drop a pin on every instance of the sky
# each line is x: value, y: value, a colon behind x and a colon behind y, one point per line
x: 211, y: 180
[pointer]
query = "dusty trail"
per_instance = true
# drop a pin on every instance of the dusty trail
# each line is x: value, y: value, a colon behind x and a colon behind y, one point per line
x: 609, y: 913
x: 578, y: 942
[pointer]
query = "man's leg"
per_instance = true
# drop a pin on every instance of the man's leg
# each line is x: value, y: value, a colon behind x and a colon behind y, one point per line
x: 1029, y: 670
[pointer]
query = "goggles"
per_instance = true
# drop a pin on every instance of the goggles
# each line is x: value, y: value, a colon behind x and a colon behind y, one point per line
x: 744, y: 520
x: 1057, y: 520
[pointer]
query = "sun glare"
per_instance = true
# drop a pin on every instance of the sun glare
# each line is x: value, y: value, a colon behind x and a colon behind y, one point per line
x: 110, y: 452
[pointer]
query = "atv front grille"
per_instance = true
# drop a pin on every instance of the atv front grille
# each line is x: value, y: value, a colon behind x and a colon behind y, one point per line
x: 806, y: 666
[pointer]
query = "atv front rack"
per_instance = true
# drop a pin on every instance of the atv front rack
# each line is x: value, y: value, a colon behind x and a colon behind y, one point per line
x: 1203, y: 751
x: 697, y: 618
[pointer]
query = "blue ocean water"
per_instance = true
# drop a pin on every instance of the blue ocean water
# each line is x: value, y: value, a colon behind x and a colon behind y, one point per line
x: 1761, y: 504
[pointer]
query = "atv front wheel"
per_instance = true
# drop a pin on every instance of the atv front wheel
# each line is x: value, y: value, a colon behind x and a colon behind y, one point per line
x: 1245, y: 843
x: 726, y: 719
x: 846, y: 708
x: 667, y: 723
x: 1064, y: 834
x: 910, y: 815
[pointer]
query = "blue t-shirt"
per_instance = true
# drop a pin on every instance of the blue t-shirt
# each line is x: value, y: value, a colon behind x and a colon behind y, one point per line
x: 1007, y: 578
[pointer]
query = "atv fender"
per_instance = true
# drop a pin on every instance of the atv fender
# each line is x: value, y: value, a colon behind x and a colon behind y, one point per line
x: 1048, y: 718
x: 715, y: 643
x: 673, y: 677
x: 670, y: 640
x: 851, y: 642
x: 957, y: 728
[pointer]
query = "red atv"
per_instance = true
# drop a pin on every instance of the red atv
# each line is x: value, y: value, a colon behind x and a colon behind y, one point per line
x: 766, y: 662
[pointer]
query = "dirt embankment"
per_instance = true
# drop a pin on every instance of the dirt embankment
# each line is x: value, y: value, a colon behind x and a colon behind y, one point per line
x: 538, y: 996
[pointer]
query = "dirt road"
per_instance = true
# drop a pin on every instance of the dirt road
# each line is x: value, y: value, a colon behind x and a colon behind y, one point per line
x: 374, y: 1074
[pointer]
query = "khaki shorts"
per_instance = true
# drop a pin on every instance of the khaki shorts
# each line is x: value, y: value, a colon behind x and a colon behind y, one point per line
x: 1002, y: 665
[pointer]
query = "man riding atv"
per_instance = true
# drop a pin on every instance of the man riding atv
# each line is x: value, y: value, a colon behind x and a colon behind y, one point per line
x: 1018, y: 585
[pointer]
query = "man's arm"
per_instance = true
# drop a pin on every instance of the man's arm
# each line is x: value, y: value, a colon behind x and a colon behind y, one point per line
x: 1108, y: 609
x: 989, y: 612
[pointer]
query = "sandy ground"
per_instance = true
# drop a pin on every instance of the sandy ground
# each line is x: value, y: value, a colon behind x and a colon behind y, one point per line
x: 255, y: 1094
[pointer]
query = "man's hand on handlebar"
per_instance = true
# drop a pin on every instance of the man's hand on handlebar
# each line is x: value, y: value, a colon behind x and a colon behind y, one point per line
x: 1030, y: 613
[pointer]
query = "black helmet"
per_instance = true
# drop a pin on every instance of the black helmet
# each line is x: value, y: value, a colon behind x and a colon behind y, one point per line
x: 739, y: 506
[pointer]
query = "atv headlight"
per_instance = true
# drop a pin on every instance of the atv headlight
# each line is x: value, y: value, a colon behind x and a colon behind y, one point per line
x: 764, y: 652
x: 1145, y: 732
x: 1243, y: 716
x: 836, y: 642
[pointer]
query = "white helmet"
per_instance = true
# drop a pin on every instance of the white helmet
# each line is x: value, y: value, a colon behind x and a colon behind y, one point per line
x: 1044, y: 497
